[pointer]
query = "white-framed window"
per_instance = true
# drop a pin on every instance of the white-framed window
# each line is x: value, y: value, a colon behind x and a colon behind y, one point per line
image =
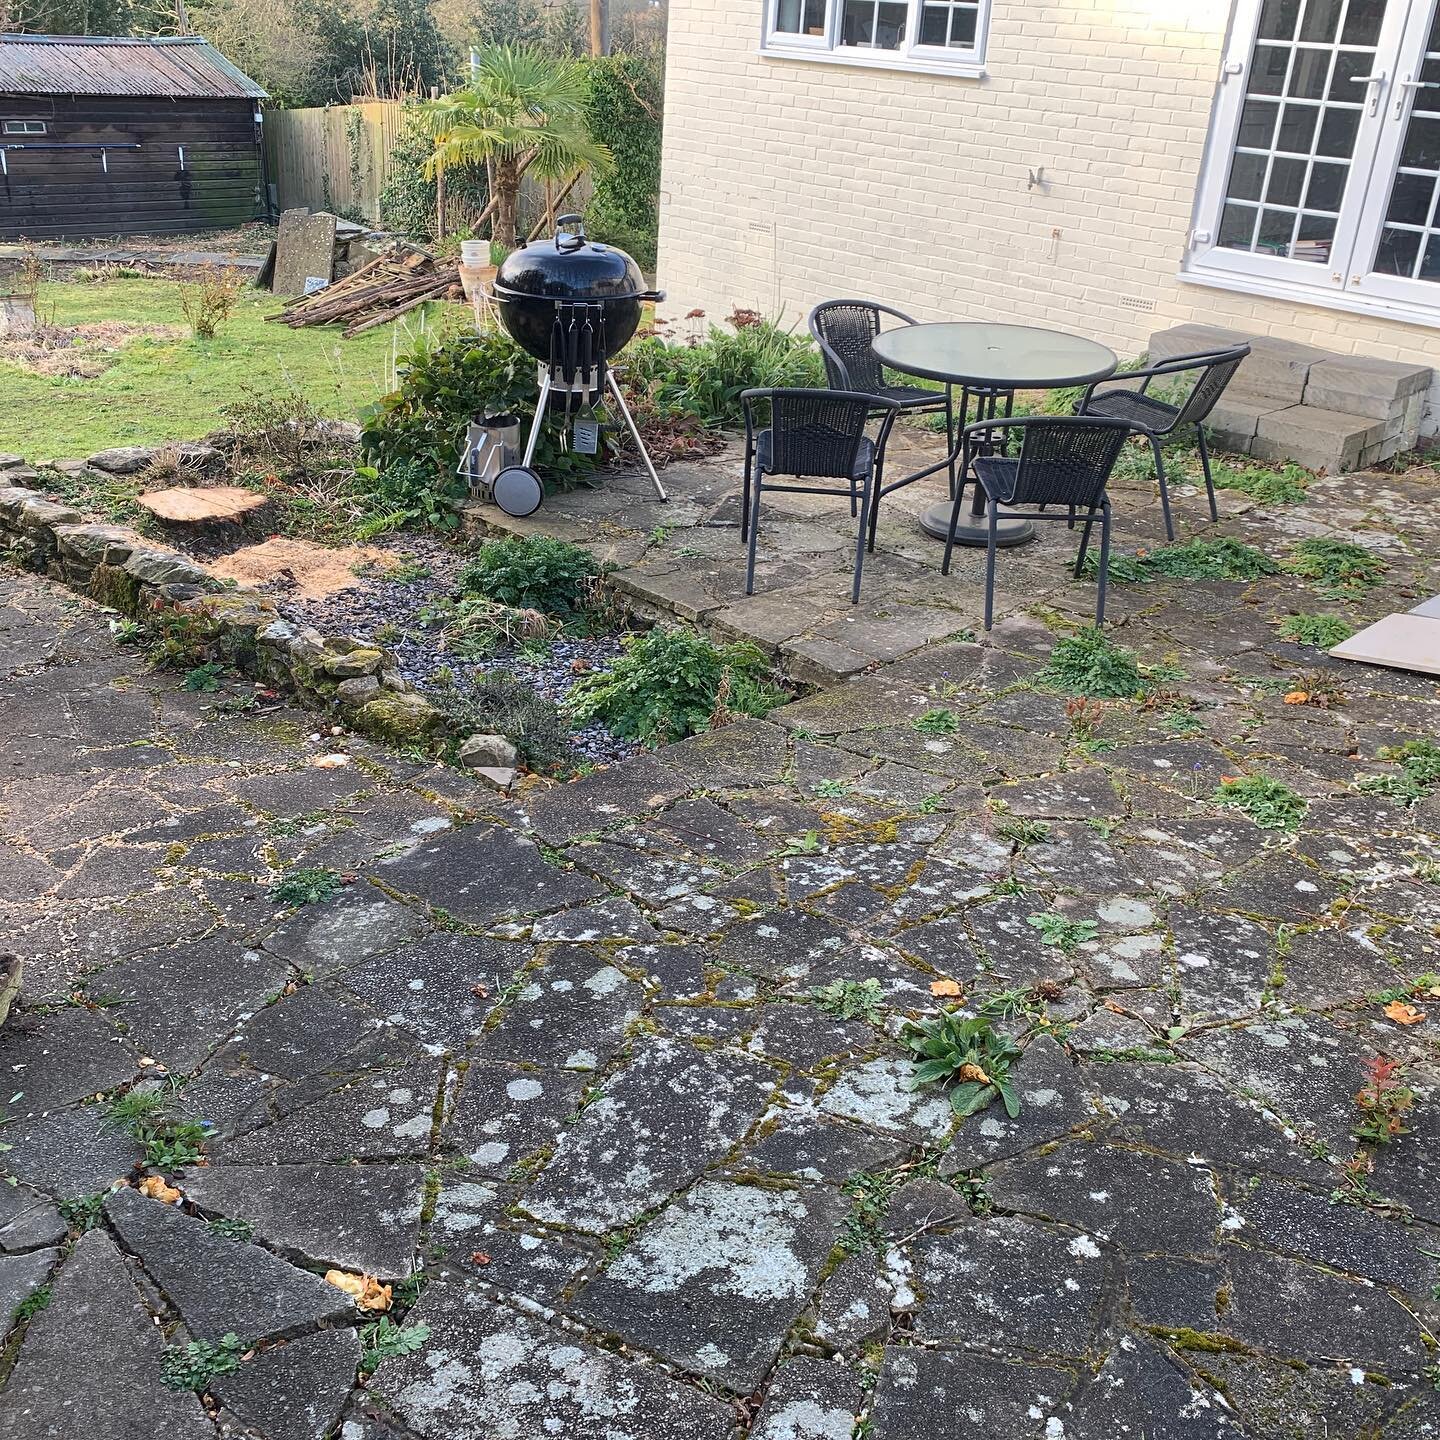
x: 1322, y: 177
x: 939, y: 36
x: 23, y: 127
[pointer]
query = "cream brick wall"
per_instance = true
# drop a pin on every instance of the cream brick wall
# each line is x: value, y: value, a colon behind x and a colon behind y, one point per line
x: 787, y: 182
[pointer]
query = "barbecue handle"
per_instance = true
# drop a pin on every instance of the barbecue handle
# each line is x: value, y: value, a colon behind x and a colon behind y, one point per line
x: 575, y: 241
x: 656, y: 297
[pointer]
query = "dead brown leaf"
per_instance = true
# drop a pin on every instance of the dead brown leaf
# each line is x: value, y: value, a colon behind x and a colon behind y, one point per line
x: 974, y: 1073
x: 1404, y: 1013
x: 368, y: 1292
x: 479, y: 1257
x: 945, y: 987
x: 1298, y: 697
x: 155, y: 1187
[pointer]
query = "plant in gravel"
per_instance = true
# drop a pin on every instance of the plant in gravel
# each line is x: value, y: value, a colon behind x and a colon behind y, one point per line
x: 851, y: 999
x: 384, y: 1339
x: 474, y: 628
x: 1271, y: 804
x: 968, y: 1054
x: 1062, y: 932
x: 1340, y: 568
x: 1088, y: 663
x: 407, y: 491
x: 308, y: 885
x: 497, y: 703
x: 938, y: 721
x: 1419, y: 762
x: 1321, y: 631
x: 532, y: 572
x: 204, y: 679
x: 666, y: 685
x: 195, y: 1364
x: 1383, y: 1103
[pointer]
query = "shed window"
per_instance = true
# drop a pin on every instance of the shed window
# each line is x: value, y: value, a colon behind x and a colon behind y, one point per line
x: 929, y: 35
x: 24, y: 127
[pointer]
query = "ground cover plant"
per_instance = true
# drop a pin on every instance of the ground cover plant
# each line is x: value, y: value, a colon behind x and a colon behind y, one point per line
x: 534, y: 572
x: 1271, y: 804
x: 1090, y: 664
x: 672, y: 682
x: 1222, y: 559
x: 1419, y: 774
x: 171, y: 386
x: 1321, y: 631
x: 1340, y: 569
x: 969, y: 1055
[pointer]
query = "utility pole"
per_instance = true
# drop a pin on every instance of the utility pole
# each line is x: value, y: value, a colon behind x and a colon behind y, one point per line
x: 599, y: 27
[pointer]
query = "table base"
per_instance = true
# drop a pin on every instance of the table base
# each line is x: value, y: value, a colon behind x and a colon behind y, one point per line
x: 974, y: 529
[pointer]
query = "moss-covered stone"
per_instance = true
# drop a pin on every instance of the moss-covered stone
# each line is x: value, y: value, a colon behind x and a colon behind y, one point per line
x: 113, y: 586
x: 354, y: 664
x: 399, y: 717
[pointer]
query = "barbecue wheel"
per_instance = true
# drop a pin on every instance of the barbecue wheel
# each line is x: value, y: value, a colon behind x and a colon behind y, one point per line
x: 518, y: 491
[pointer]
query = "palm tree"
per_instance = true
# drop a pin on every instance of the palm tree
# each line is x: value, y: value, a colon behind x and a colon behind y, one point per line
x: 522, y: 111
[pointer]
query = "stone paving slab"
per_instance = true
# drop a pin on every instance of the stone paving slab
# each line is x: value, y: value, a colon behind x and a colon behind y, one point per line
x: 557, y: 1069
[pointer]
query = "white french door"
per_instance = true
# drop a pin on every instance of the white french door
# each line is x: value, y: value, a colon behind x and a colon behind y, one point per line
x: 1326, y: 151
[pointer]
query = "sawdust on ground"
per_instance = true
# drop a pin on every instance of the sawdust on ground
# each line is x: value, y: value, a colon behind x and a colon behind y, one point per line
x: 312, y: 570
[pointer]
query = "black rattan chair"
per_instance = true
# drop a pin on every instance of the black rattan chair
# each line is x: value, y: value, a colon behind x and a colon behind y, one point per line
x: 813, y: 435
x: 1064, y: 460
x: 1157, y: 419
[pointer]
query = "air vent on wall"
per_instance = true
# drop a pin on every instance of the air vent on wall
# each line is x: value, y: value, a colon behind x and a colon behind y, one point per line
x: 1133, y: 302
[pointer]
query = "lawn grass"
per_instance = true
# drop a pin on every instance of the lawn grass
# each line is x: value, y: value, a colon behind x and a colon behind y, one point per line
x: 159, y: 390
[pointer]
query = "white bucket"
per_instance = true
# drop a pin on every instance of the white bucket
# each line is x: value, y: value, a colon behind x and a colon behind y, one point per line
x: 475, y: 253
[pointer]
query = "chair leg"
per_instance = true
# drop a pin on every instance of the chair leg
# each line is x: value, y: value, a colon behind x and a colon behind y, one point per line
x: 1072, y: 518
x: 954, y: 523
x: 865, y: 511
x: 1205, y: 466
x: 1164, y: 487
x: 1104, y: 563
x: 950, y: 432
x: 754, y: 535
x: 1084, y: 543
x: 745, y: 500
x: 872, y: 508
x: 990, y: 540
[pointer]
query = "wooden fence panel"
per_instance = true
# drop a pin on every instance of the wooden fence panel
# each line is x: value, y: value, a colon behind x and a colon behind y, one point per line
x: 338, y: 158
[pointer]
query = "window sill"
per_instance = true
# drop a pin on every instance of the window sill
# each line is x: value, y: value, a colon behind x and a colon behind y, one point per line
x: 958, y: 69
x: 1398, y: 310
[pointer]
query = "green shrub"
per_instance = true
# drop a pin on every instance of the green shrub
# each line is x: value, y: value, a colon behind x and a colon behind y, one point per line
x: 624, y: 112
x: 409, y: 491
x: 534, y: 572
x: 1341, y: 568
x: 1321, y: 631
x: 442, y: 386
x: 1088, y: 663
x: 707, y: 379
x: 407, y: 201
x: 670, y: 683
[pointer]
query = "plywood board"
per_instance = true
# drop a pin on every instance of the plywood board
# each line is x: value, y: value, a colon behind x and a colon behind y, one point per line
x: 210, y: 505
x: 1399, y: 642
x: 1430, y: 607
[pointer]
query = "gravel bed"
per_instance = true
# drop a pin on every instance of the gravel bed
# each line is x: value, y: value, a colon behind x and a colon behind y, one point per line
x: 364, y: 609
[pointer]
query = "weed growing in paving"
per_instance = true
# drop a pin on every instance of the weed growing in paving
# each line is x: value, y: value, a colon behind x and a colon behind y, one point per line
x: 1088, y: 663
x: 1271, y: 804
x: 82, y: 1213
x: 670, y: 683
x: 1222, y: 559
x: 851, y: 999
x: 194, y: 1365
x: 806, y: 844
x: 152, y: 1118
x: 241, y: 1230
x: 1023, y: 832
x: 938, y: 721
x: 532, y: 573
x: 1384, y: 1102
x: 968, y: 1052
x: 385, y: 1339
x: 307, y: 886
x: 872, y: 1192
x: 1321, y: 631
x: 1285, y: 486
x: 204, y: 679
x: 32, y: 1304
x: 1340, y: 568
x: 1061, y: 932
x: 1419, y: 762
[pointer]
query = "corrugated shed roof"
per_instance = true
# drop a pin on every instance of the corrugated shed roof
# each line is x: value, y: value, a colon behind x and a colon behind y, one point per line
x: 183, y: 67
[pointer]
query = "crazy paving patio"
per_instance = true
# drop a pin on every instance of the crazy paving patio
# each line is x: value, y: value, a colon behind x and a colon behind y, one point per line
x: 556, y: 1071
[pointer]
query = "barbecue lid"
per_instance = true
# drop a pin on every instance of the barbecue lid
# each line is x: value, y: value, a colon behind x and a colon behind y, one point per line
x: 571, y: 267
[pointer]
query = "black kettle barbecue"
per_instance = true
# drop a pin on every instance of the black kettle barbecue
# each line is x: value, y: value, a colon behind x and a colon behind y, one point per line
x: 573, y: 305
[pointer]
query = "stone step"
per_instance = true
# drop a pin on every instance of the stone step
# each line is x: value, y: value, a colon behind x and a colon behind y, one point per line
x: 1296, y: 402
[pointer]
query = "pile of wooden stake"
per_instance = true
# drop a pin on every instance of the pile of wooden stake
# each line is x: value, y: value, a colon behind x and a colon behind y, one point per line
x: 375, y: 294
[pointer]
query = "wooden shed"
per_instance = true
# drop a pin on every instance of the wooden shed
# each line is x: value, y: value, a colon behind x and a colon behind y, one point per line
x: 111, y: 136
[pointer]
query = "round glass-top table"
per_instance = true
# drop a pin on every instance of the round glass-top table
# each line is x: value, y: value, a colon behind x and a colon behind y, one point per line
x: 993, y: 360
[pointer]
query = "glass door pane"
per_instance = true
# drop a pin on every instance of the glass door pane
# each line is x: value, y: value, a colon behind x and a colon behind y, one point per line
x: 1409, y: 243
x: 1306, y: 91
